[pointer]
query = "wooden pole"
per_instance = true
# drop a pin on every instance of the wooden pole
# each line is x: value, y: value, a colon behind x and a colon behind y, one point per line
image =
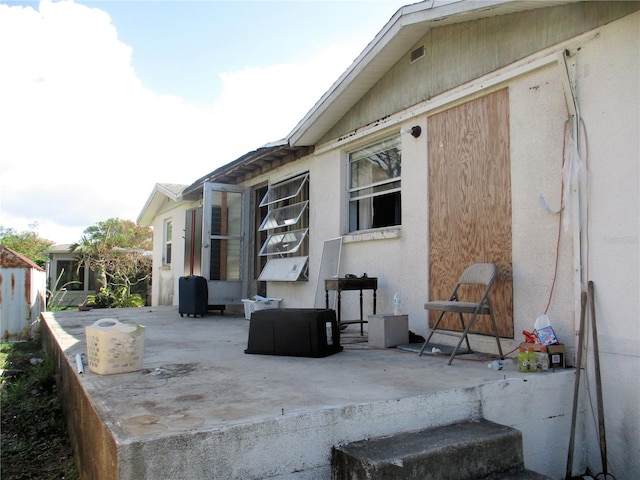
x: 576, y: 390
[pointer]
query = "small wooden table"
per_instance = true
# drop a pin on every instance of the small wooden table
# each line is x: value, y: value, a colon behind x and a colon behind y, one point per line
x: 357, y: 283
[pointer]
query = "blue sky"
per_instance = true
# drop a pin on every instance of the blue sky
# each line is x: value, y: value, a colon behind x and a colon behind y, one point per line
x: 103, y: 99
x: 180, y: 47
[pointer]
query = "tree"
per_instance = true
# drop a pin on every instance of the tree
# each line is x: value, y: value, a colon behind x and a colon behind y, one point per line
x: 117, y: 251
x: 26, y: 243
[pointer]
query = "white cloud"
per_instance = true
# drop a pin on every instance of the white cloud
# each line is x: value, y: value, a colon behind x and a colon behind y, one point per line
x: 82, y: 140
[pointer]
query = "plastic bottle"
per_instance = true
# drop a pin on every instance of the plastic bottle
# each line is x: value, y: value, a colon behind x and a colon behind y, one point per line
x: 523, y: 361
x: 543, y: 359
x: 397, y: 304
x: 496, y: 365
x: 533, y: 359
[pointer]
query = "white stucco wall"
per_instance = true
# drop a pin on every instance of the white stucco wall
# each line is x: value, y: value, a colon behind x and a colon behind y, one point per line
x: 394, y: 255
x: 608, y: 89
x: 164, y: 285
x: 537, y: 123
x: 399, y: 257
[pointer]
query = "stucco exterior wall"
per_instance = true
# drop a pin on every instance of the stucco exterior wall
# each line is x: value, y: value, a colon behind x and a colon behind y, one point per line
x: 538, y: 118
x: 399, y: 256
x: 164, y: 283
x: 394, y: 255
x: 608, y: 90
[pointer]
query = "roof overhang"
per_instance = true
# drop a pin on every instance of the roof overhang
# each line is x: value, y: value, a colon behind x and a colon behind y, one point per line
x: 159, y: 194
x: 405, y: 28
x: 249, y: 165
x: 12, y: 259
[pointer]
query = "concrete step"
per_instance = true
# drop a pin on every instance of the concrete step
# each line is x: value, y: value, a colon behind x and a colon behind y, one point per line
x: 471, y: 450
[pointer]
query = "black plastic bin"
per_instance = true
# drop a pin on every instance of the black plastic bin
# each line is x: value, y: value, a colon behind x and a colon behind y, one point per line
x: 298, y: 332
x: 193, y: 296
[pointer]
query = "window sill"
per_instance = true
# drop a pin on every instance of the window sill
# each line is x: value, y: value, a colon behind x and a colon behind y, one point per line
x: 377, y: 234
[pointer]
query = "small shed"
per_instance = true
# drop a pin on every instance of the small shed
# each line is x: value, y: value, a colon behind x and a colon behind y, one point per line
x: 22, y: 295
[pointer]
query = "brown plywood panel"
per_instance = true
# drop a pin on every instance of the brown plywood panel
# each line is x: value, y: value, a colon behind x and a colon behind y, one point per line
x: 470, y: 202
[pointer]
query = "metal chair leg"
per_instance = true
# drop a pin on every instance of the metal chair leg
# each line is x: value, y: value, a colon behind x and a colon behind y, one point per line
x: 424, y: 345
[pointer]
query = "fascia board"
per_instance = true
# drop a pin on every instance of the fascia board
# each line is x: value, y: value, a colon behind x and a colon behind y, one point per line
x: 403, y: 30
x: 153, y: 203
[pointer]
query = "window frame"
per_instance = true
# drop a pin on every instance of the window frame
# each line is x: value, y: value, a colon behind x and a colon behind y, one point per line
x: 287, y: 227
x: 167, y: 246
x: 386, y: 192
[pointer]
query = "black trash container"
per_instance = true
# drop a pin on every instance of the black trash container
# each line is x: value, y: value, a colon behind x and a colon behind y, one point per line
x: 299, y: 332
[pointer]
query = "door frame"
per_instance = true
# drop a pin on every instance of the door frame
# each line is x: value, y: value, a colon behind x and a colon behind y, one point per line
x: 226, y: 292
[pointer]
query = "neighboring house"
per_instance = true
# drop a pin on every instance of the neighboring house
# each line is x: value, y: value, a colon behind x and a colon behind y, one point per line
x: 22, y: 295
x: 69, y: 283
x: 455, y: 137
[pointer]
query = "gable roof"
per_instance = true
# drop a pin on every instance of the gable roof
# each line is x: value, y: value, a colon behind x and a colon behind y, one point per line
x: 408, y: 25
x: 160, y: 192
x: 12, y: 259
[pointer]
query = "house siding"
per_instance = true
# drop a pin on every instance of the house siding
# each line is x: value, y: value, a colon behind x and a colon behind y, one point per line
x: 456, y: 54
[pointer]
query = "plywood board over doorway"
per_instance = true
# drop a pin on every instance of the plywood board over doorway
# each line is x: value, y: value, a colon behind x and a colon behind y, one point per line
x: 470, y: 202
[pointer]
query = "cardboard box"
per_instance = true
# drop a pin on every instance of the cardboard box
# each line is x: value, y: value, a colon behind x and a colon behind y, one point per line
x: 556, y: 353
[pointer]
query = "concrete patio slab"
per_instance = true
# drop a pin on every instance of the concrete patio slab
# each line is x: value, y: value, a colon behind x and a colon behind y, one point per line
x: 202, y: 408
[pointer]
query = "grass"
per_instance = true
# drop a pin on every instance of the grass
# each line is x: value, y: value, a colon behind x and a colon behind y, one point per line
x: 34, y: 439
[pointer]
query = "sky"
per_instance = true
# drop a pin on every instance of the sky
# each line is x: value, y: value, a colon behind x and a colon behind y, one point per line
x: 101, y: 100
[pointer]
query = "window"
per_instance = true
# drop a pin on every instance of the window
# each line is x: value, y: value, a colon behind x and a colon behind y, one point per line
x: 69, y: 275
x: 287, y: 224
x: 225, y: 243
x: 374, y: 186
x: 168, y: 236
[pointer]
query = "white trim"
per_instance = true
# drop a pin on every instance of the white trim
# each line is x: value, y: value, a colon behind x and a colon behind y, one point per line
x: 384, y: 233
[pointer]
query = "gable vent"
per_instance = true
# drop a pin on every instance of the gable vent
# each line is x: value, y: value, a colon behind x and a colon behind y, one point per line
x: 416, y: 54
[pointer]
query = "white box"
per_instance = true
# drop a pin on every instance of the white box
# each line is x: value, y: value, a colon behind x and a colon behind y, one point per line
x: 251, y: 306
x: 388, y: 330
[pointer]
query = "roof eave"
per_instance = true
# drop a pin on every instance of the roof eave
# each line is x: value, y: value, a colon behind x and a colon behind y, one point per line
x: 151, y: 206
x: 402, y: 31
x: 249, y: 165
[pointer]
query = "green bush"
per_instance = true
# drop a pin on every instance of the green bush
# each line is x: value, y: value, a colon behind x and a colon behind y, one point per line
x: 118, y: 297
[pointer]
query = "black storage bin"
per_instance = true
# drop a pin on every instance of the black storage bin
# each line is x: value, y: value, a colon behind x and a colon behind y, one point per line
x: 193, y: 296
x: 298, y: 332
